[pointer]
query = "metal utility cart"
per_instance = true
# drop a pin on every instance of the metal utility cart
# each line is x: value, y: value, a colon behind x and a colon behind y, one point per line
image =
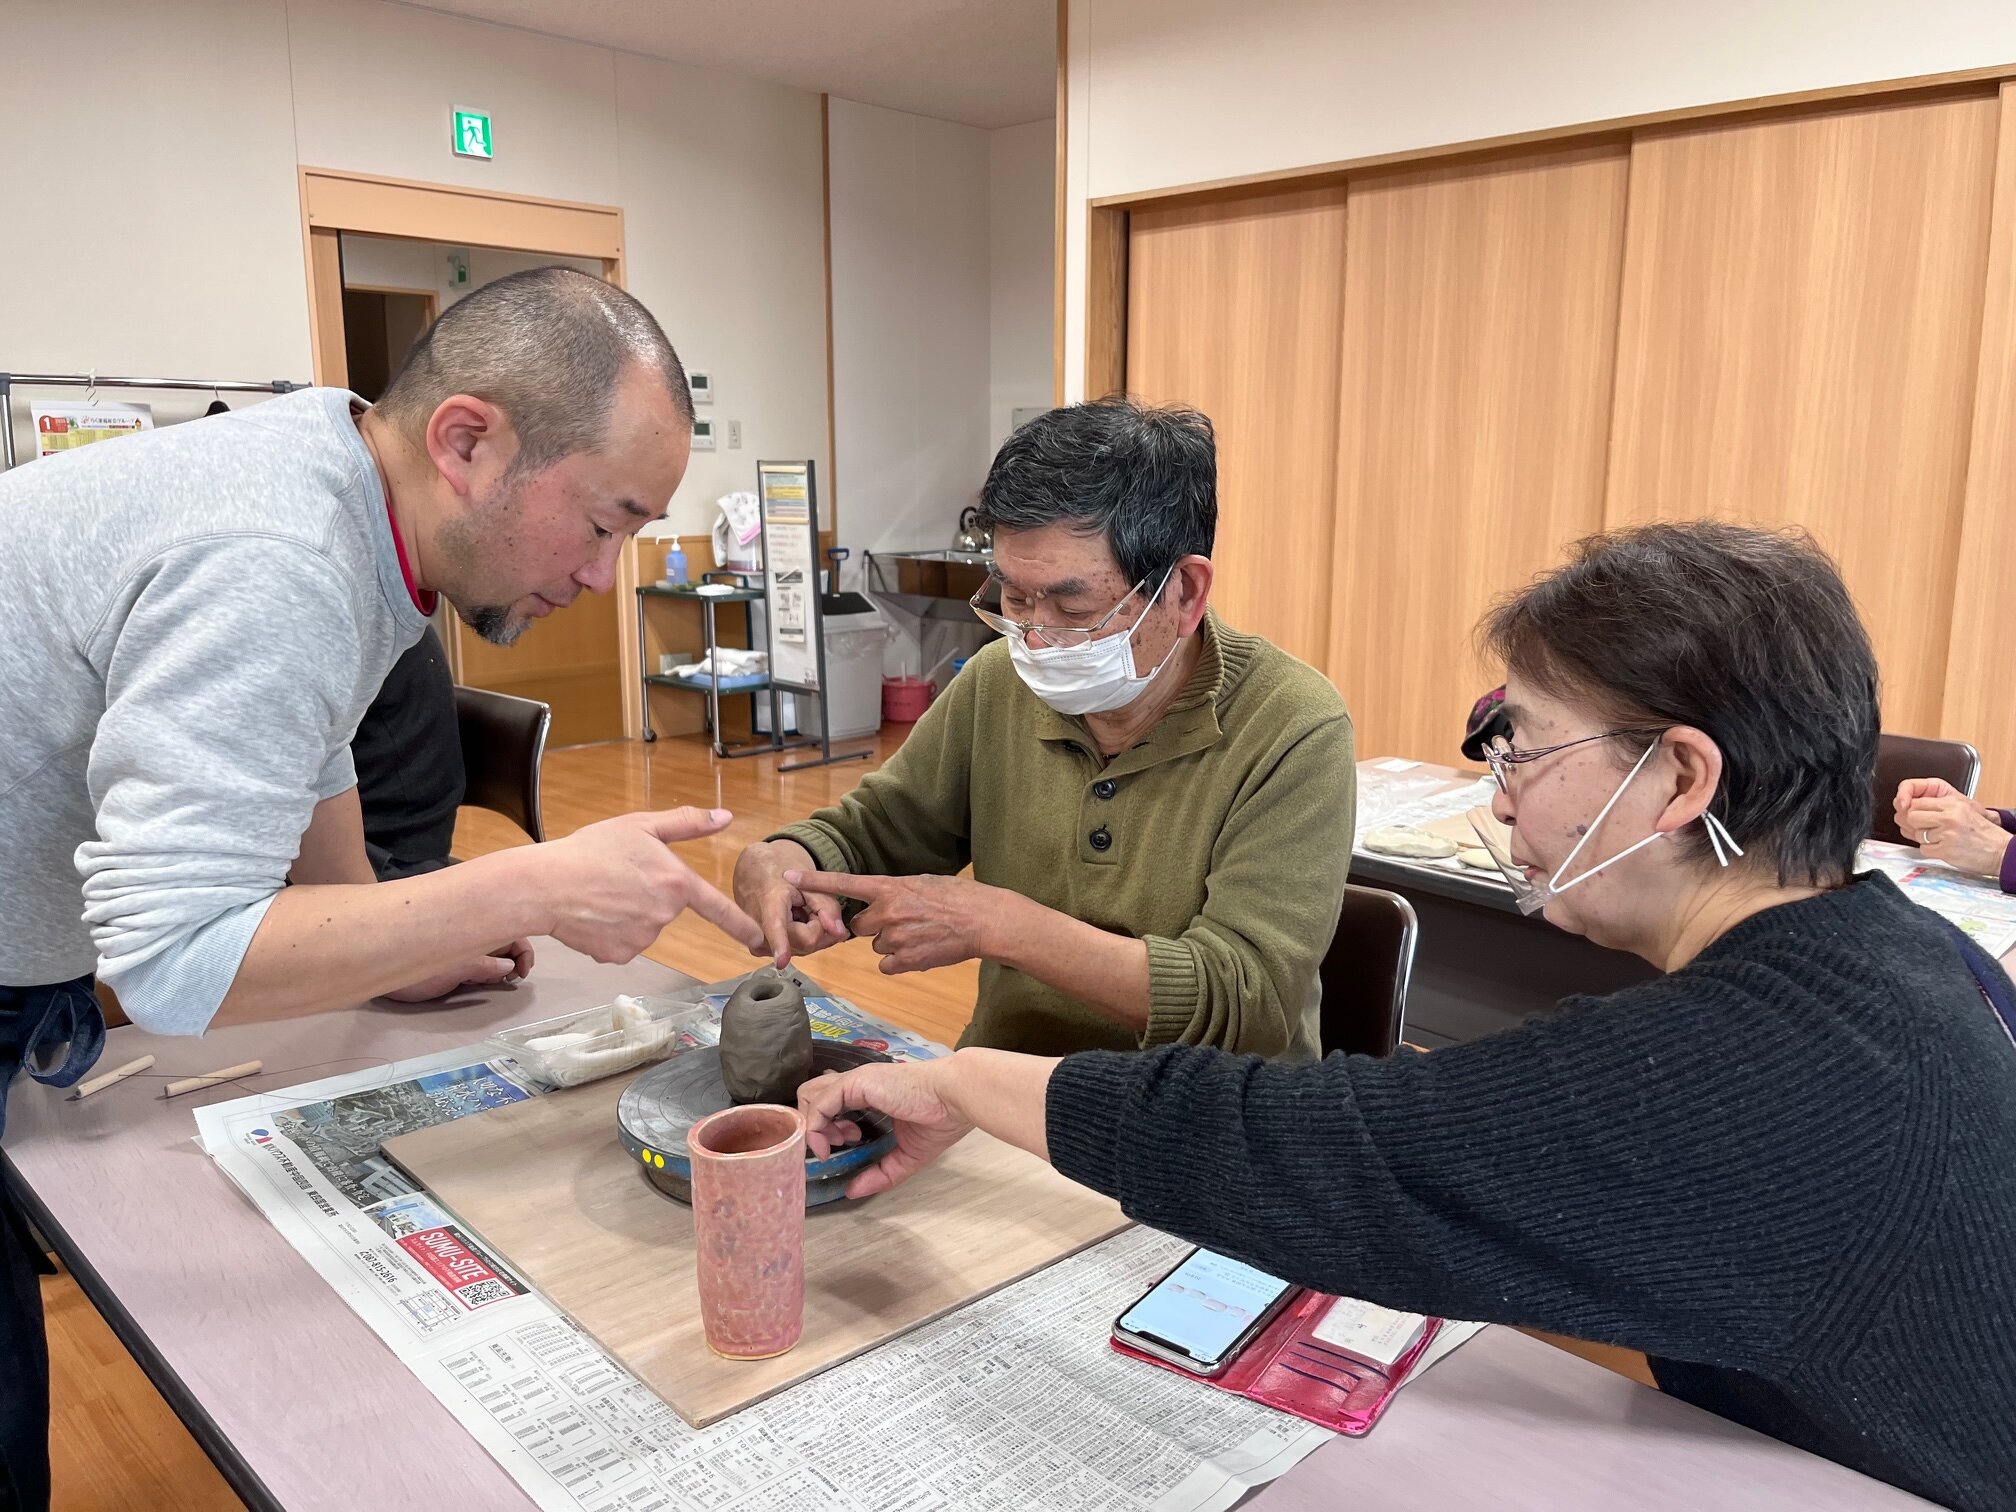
x: 714, y: 685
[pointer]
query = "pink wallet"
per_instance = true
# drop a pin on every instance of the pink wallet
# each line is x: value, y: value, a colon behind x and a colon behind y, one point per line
x: 1286, y: 1368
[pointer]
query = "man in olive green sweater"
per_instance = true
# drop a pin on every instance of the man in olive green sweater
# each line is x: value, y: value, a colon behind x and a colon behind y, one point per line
x: 1157, y: 808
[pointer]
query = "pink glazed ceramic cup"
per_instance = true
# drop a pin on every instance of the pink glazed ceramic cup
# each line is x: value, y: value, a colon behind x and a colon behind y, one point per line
x: 749, y: 1228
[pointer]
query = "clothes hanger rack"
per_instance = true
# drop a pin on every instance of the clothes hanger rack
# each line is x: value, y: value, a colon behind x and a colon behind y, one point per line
x: 94, y: 381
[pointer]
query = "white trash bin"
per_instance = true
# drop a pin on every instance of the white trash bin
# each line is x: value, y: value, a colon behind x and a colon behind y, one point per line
x: 854, y: 643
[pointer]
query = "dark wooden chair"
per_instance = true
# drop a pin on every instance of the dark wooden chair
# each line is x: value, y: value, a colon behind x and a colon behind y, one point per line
x: 503, y: 741
x: 1365, y: 973
x: 1902, y: 756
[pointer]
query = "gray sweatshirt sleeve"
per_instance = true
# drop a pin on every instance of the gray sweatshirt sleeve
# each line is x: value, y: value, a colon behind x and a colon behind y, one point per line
x: 230, y: 668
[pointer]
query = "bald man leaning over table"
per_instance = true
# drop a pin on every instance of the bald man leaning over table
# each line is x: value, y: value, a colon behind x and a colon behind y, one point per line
x: 197, y: 617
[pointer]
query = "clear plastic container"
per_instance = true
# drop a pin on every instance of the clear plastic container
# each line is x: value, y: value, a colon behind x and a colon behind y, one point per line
x: 585, y: 1046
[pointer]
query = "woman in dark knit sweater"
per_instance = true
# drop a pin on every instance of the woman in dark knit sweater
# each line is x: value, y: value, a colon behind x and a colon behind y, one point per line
x: 1782, y: 1169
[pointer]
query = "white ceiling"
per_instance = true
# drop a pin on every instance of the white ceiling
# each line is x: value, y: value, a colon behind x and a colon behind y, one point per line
x: 985, y: 63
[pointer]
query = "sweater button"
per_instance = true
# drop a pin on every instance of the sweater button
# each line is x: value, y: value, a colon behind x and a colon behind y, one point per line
x: 1105, y: 787
x: 1100, y: 839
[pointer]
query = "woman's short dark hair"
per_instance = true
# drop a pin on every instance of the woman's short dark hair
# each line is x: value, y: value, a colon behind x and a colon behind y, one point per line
x: 1747, y: 635
x: 1145, y: 478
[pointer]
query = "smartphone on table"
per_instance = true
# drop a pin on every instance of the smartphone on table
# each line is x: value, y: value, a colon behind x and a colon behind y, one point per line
x: 1200, y: 1315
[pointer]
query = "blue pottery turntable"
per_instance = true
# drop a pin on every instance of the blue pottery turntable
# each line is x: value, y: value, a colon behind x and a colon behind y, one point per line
x: 657, y: 1109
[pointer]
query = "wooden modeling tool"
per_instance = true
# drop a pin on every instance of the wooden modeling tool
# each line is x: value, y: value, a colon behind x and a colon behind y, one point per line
x: 213, y: 1078
x: 100, y: 1083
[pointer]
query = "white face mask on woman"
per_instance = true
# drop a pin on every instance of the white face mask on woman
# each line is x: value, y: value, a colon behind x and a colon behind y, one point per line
x: 1534, y: 894
x: 1094, y: 678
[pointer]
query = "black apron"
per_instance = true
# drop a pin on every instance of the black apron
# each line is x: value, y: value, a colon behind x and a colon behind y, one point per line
x: 56, y: 1034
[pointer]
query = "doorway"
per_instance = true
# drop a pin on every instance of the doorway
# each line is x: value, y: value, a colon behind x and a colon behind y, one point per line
x: 379, y: 329
x: 384, y: 258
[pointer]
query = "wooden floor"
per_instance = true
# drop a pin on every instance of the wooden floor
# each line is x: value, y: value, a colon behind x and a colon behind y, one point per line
x: 587, y: 783
x: 117, y: 1445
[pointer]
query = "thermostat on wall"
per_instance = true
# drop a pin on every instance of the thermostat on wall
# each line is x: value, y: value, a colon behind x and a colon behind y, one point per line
x: 703, y: 435
x: 702, y: 385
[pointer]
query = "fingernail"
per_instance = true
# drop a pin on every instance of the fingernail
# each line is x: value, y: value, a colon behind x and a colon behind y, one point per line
x: 719, y: 816
x: 794, y: 877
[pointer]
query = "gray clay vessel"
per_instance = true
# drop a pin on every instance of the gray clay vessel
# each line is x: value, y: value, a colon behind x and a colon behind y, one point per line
x: 766, y: 1040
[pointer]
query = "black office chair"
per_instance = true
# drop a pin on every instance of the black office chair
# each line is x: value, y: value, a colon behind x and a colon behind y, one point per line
x: 1365, y: 973
x: 503, y: 741
x: 1902, y: 756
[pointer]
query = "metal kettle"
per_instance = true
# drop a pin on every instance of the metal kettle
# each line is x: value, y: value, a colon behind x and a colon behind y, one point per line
x: 972, y: 537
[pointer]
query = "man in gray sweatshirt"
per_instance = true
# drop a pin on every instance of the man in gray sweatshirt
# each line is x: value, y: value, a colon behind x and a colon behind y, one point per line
x: 196, y: 618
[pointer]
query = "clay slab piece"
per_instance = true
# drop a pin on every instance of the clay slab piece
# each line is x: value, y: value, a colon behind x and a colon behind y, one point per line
x: 1412, y: 844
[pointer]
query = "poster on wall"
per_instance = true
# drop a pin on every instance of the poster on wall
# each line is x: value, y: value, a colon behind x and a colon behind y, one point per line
x: 65, y: 427
x: 790, y: 558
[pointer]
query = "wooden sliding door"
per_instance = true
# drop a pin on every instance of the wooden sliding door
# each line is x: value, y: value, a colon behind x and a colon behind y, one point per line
x: 1798, y: 346
x: 1979, y: 706
x: 1479, y: 304
x: 1429, y: 380
x: 1236, y: 309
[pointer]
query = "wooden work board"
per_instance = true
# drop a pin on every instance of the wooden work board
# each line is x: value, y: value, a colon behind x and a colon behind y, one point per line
x: 548, y: 1186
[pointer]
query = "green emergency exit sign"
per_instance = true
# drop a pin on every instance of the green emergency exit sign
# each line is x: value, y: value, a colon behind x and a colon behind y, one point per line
x: 472, y: 133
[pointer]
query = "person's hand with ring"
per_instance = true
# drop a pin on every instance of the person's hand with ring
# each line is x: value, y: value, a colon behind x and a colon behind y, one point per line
x: 1951, y: 827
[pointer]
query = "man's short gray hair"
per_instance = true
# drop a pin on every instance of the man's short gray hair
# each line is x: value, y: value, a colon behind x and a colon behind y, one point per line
x: 546, y: 346
x: 1144, y: 477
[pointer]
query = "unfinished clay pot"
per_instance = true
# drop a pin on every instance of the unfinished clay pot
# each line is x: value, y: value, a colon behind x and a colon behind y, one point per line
x: 749, y: 1229
x: 766, y: 1040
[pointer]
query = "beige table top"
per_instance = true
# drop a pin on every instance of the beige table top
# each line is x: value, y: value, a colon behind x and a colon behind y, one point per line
x: 320, y: 1410
x: 285, y: 1380
x: 1515, y: 1425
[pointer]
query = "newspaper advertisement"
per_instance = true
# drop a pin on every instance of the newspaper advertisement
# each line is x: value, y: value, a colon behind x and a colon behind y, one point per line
x: 1975, y: 904
x: 835, y: 1019
x: 65, y: 427
x: 1015, y: 1402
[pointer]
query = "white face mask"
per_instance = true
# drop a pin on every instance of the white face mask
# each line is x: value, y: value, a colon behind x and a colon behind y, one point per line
x: 1095, y: 678
x: 1534, y: 894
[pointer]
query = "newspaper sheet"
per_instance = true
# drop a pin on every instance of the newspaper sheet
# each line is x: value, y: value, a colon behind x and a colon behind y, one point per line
x: 1976, y: 904
x: 1015, y: 1402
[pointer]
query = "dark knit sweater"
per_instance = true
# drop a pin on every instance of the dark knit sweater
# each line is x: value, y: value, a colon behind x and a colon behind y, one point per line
x: 1786, y: 1172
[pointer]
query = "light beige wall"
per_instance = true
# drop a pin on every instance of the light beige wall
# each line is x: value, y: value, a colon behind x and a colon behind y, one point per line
x: 151, y: 222
x: 160, y: 163
x: 1166, y: 92
x: 719, y: 179
x: 1021, y: 221
x: 911, y: 314
x: 396, y: 262
x: 374, y: 82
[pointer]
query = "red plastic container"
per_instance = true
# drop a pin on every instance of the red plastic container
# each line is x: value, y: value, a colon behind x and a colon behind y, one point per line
x: 904, y: 699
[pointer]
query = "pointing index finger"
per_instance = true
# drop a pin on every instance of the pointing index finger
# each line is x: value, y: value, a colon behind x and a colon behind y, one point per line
x: 721, y: 911
x: 841, y: 884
